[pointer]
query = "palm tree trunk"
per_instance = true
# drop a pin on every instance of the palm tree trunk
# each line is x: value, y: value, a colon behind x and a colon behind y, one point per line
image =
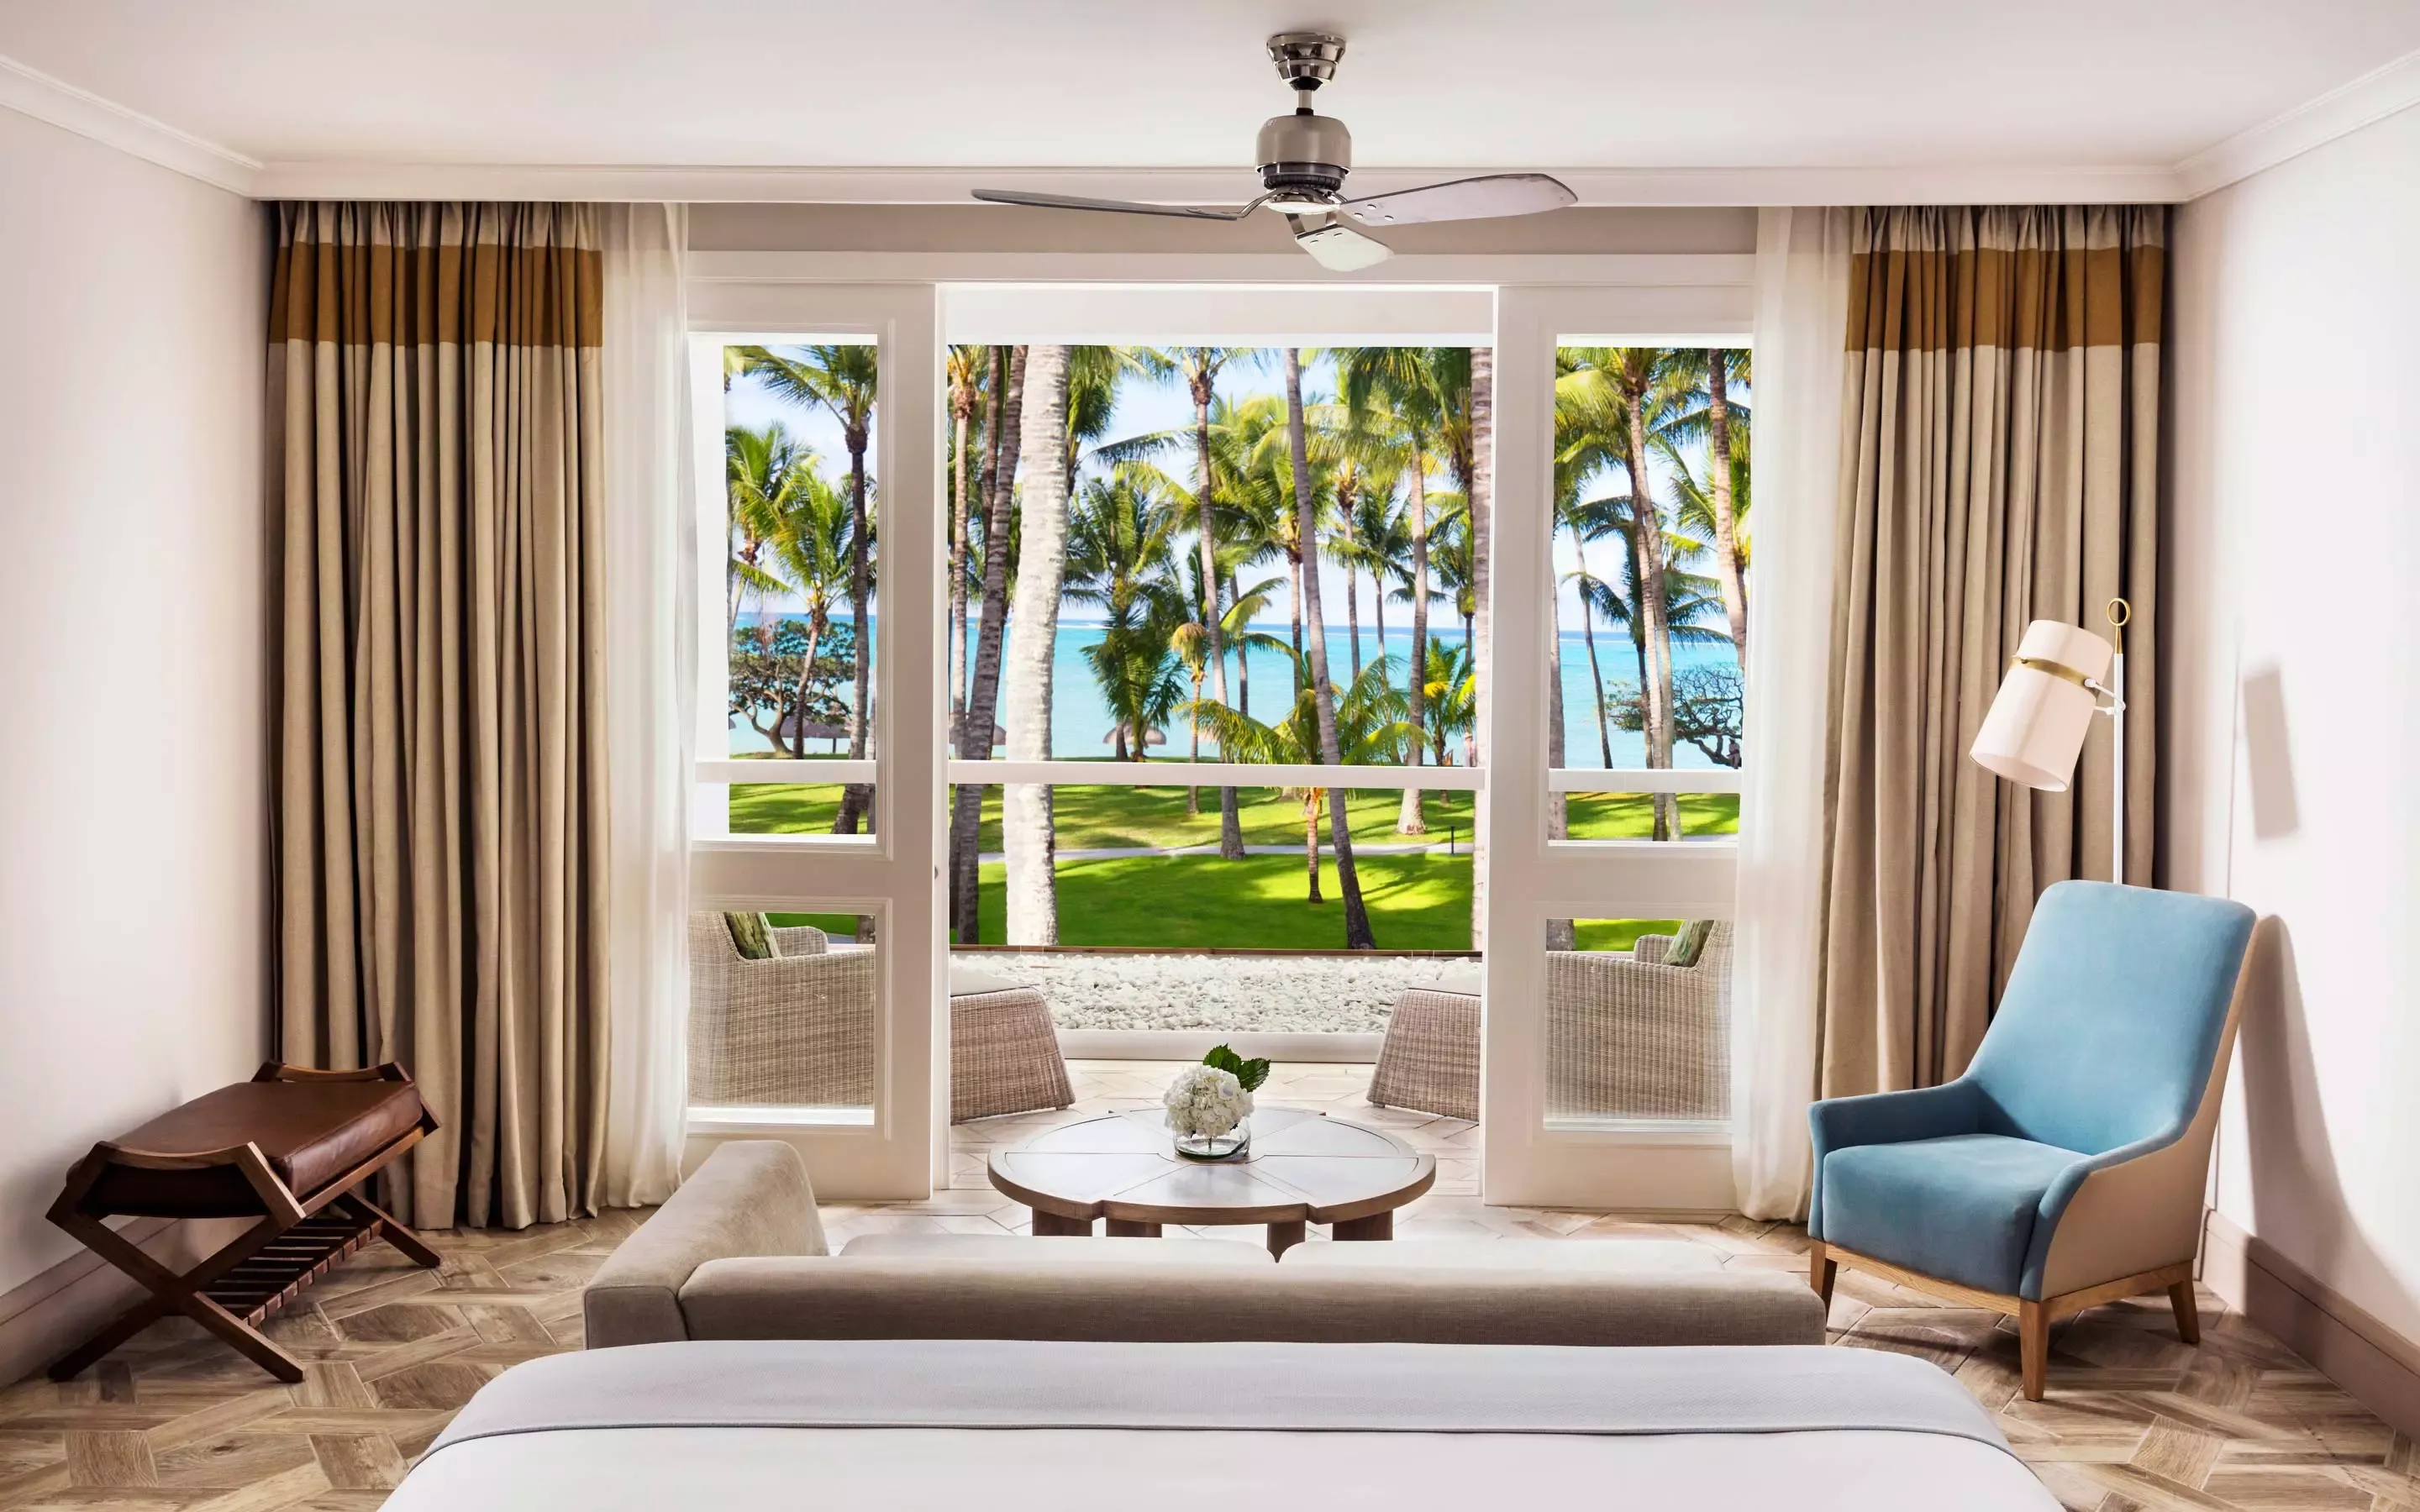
x: 1311, y: 842
x: 1026, y: 829
x: 1193, y: 795
x: 1647, y: 530
x: 1322, y: 693
x: 857, y: 797
x: 799, y: 697
x: 1202, y: 377
x: 961, y: 414
x: 1596, y: 672
x: 1482, y: 524
x: 1726, y: 562
x: 1560, y: 935
x: 1378, y: 609
x: 1411, y: 820
x: 983, y: 693
x: 1243, y: 682
x: 1353, y: 613
x: 1293, y: 572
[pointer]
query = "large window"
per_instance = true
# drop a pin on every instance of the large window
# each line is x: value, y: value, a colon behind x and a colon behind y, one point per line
x: 1652, y: 526
x: 799, y: 527
x: 1205, y: 604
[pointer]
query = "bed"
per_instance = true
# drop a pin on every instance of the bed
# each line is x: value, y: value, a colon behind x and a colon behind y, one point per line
x: 1008, y: 1426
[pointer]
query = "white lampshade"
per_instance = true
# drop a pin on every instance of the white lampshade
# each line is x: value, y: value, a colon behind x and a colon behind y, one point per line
x: 2037, y: 725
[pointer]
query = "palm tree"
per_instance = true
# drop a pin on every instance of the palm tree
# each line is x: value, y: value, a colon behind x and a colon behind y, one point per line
x: 760, y: 468
x: 1026, y: 821
x: 1450, y: 699
x: 1722, y: 425
x: 1192, y: 639
x: 968, y: 369
x: 1620, y: 396
x: 1369, y: 728
x: 1372, y: 540
x: 1005, y: 433
x: 842, y: 379
x: 1198, y: 368
x: 812, y: 546
x: 1119, y: 553
x: 1357, y: 936
x: 1403, y: 394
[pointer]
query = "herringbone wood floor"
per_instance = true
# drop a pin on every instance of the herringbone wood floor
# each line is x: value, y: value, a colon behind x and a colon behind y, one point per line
x: 2134, y: 1419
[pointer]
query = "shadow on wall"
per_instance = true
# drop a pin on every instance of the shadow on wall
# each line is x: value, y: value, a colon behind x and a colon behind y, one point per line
x: 2294, y: 1180
x: 2268, y: 757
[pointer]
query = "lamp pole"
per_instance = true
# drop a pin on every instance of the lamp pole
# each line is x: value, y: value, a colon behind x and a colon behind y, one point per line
x: 2118, y: 612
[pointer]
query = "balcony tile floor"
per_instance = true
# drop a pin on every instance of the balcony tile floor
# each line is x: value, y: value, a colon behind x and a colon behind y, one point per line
x: 2135, y: 1422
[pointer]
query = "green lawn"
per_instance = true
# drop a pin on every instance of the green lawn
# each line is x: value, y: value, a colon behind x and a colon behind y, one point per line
x: 1417, y: 902
x: 1117, y: 818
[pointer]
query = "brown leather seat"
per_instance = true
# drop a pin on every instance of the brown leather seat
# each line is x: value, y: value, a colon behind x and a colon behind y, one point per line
x: 311, y: 1133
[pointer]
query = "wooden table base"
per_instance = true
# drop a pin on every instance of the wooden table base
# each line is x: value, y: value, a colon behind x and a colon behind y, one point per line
x: 1131, y: 1229
x: 1377, y: 1225
x: 1049, y: 1224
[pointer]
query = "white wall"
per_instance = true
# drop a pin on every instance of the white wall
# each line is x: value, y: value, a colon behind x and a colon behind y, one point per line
x: 2295, y: 566
x: 132, y: 883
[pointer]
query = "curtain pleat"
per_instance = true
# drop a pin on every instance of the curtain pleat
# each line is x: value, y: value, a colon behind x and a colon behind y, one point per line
x: 1999, y: 464
x: 434, y: 440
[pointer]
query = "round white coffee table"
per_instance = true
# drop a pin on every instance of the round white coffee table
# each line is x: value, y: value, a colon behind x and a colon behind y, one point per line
x: 1303, y: 1168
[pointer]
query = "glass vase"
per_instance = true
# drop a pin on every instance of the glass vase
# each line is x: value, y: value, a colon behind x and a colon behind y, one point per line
x: 1232, y: 1145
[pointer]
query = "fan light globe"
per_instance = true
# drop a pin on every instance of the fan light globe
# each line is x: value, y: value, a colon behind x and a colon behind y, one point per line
x: 2036, y: 727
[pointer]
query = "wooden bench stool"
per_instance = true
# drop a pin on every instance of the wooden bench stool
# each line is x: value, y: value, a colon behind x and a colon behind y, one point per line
x: 286, y: 1148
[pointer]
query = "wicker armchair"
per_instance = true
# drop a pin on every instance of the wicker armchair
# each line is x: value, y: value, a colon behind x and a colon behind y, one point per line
x: 797, y: 1030
x: 1628, y: 1037
x: 1429, y: 1060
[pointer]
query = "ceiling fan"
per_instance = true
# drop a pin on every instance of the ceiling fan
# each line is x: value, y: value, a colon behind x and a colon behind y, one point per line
x: 1304, y: 158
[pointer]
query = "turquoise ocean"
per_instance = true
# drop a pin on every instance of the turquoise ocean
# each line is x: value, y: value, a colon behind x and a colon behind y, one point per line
x: 1079, y: 723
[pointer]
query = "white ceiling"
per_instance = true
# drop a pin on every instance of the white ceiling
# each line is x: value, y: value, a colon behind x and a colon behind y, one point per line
x: 1764, y: 85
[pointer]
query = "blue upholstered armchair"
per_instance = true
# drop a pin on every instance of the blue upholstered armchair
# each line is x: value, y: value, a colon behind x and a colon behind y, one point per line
x: 2066, y: 1168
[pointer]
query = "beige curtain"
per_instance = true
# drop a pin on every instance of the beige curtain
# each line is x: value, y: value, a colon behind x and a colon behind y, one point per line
x: 434, y: 414
x: 1999, y: 464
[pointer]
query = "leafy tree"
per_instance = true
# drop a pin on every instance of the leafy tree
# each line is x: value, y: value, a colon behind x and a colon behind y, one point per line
x: 1707, y: 711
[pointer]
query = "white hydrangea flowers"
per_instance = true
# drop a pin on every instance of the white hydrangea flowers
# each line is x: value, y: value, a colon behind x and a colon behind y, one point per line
x: 1205, y: 1101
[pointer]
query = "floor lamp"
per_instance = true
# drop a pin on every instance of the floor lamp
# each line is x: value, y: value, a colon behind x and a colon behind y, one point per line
x: 2036, y: 727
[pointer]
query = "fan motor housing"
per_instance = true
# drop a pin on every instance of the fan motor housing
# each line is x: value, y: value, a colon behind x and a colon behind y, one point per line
x: 1304, y: 153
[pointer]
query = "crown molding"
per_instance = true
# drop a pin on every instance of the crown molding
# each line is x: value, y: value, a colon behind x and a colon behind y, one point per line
x: 32, y: 92
x: 1636, y: 186
x: 2340, y: 111
x: 2382, y: 92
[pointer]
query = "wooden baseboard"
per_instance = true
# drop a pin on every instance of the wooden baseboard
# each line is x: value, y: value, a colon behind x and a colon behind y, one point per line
x: 52, y: 1313
x: 2343, y: 1339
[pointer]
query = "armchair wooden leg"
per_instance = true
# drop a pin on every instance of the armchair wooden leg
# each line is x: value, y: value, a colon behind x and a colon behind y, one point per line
x: 1821, y: 1270
x: 2033, y: 1347
x: 2181, y: 1298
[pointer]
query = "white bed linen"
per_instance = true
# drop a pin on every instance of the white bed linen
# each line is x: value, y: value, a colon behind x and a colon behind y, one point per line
x: 1031, y: 1470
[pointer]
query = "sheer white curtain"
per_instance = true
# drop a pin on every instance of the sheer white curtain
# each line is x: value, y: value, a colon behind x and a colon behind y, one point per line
x: 651, y: 675
x: 1802, y: 313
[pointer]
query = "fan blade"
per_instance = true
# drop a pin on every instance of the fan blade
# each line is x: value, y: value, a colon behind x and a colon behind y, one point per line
x: 1076, y: 202
x: 1464, y: 199
x: 1338, y: 248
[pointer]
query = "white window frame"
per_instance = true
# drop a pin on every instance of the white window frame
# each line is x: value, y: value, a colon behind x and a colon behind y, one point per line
x: 901, y: 1151
x: 1660, y: 300
x: 1527, y: 1159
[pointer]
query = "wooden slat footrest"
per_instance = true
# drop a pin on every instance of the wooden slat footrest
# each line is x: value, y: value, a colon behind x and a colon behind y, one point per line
x: 258, y: 1289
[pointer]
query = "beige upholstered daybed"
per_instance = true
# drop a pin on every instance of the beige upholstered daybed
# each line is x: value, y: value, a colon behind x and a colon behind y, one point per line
x: 913, y: 1372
